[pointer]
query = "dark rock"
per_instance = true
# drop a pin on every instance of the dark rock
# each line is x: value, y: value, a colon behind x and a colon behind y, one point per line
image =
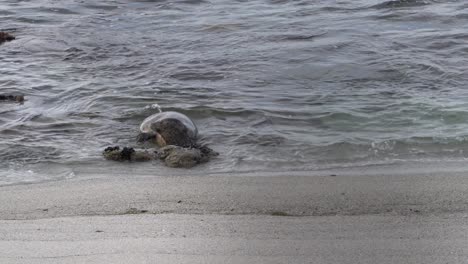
x: 109, y: 149
x: 127, y: 154
x: 14, y: 98
x: 179, y: 157
x: 173, y: 156
x: 4, y: 36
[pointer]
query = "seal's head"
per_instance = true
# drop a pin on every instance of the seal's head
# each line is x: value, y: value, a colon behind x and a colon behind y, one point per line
x: 172, y: 131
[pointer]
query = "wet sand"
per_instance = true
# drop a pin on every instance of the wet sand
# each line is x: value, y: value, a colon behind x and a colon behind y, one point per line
x: 418, y: 218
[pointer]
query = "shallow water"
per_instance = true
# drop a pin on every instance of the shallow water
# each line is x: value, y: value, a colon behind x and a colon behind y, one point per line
x: 272, y: 85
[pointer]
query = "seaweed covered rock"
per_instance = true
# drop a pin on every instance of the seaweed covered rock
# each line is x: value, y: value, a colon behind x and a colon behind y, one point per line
x: 173, y: 156
x: 128, y: 154
x: 4, y: 36
x: 179, y: 157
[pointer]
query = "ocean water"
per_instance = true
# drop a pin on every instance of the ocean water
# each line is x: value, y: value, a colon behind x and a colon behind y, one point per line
x: 273, y: 85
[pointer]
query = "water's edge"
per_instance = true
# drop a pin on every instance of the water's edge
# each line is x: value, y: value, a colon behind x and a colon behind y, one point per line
x: 272, y: 85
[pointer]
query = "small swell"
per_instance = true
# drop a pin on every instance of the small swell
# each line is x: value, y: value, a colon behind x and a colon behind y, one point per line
x: 206, y: 111
x: 28, y: 154
x: 296, y: 37
x: 401, y: 4
x: 197, y: 75
x: 260, y: 140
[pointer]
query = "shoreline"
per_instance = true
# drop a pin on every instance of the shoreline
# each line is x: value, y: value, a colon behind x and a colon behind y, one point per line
x: 417, y: 218
x: 238, y: 195
x: 55, y: 172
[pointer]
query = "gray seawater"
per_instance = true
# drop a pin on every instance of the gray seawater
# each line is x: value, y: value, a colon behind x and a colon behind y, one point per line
x: 273, y: 85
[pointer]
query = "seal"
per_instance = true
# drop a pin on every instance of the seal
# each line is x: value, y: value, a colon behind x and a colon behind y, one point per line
x: 169, y: 128
x: 175, y: 134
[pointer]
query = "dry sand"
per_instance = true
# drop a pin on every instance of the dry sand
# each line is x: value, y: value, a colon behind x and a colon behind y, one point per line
x: 418, y: 218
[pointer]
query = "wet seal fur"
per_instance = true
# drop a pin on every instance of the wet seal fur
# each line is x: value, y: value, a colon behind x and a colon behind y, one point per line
x: 175, y: 133
x: 4, y: 37
x: 169, y: 128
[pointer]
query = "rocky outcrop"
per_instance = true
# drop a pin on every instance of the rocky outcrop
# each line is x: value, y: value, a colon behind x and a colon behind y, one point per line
x: 13, y: 98
x: 4, y: 37
x: 173, y: 156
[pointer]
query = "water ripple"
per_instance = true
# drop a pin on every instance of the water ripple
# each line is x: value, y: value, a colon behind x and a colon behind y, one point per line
x: 272, y: 85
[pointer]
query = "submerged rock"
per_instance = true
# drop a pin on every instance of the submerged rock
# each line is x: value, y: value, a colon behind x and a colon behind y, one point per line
x: 179, y: 157
x: 173, y: 156
x: 4, y: 36
x: 13, y: 98
x: 128, y: 154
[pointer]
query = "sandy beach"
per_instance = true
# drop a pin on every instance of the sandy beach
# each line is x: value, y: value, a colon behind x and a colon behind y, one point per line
x: 418, y: 218
x: 341, y: 128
